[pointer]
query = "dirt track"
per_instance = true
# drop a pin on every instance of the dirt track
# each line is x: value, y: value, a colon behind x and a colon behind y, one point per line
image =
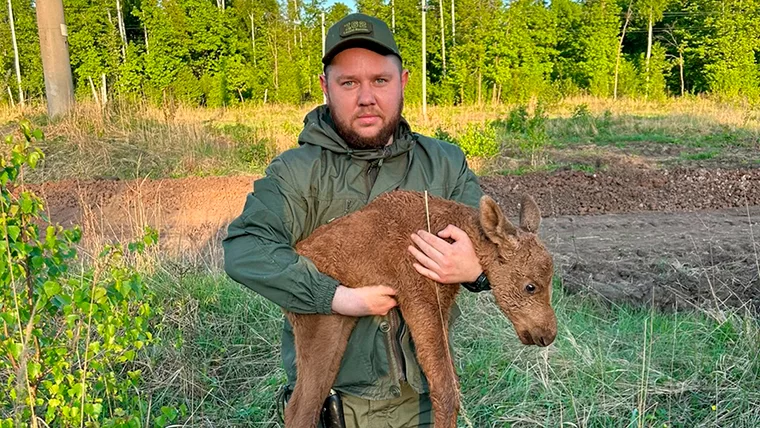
x: 688, y: 235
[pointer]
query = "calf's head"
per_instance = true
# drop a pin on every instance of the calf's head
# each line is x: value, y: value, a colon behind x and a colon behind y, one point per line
x: 520, y: 270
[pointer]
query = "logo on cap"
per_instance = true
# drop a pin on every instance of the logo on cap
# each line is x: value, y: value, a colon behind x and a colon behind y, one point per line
x: 356, y: 27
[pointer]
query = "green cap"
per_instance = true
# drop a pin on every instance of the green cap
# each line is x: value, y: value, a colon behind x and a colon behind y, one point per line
x: 358, y: 30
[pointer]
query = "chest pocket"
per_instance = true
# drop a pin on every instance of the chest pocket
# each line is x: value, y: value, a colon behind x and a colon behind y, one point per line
x: 330, y: 211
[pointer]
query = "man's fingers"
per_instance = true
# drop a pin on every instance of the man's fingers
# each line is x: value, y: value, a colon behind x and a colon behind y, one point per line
x: 429, y: 250
x: 434, y: 242
x: 452, y: 232
x: 427, y: 272
x: 388, y: 291
x: 422, y: 258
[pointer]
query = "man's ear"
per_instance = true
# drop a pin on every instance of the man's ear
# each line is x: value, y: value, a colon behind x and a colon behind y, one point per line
x: 323, y: 84
x: 404, y: 79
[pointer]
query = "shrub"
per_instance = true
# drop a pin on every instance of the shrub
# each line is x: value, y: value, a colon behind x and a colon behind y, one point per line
x: 526, y: 133
x: 69, y: 335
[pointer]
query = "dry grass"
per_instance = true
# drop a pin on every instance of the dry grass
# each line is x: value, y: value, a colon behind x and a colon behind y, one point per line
x: 129, y: 140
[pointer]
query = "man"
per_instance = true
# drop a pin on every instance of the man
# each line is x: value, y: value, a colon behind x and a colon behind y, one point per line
x: 351, y: 150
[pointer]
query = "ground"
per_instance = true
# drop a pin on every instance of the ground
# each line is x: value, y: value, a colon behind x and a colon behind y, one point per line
x: 682, y: 236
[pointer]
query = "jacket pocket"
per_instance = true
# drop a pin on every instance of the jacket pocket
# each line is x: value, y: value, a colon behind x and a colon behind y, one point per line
x: 365, y: 359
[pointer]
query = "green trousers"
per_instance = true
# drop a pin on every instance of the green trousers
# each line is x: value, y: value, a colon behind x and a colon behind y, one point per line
x: 410, y: 410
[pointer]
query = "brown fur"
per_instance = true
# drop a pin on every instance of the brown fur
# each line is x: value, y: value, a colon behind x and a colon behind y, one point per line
x: 369, y: 247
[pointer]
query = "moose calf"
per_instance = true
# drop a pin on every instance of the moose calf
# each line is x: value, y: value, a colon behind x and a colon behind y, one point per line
x: 369, y: 247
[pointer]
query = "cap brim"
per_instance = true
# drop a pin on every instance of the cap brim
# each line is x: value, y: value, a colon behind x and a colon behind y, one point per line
x: 357, y: 42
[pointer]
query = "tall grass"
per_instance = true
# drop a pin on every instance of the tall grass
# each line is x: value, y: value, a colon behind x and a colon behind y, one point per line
x: 610, y: 365
x: 129, y: 140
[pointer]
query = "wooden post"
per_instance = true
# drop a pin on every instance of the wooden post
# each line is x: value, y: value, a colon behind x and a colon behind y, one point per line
x: 59, y: 85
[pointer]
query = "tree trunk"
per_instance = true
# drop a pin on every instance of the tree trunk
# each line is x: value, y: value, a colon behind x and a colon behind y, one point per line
x: 424, y: 61
x: 122, y: 30
x: 276, y: 63
x: 15, y: 55
x: 147, y: 48
x: 94, y: 92
x: 649, y: 52
x: 104, y: 90
x: 393, y: 16
x: 480, y: 87
x: 253, y: 39
x: 620, y: 48
x: 443, y: 37
x: 453, y: 25
x: 10, y: 96
x: 680, y: 64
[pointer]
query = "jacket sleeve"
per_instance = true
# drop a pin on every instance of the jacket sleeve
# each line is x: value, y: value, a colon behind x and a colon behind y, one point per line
x: 467, y: 189
x: 259, y: 253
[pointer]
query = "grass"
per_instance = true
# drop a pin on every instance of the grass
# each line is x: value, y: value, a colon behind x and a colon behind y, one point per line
x: 128, y: 140
x: 610, y: 365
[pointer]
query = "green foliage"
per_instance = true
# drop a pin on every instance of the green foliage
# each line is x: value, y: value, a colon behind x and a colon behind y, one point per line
x: 254, y: 151
x: 71, y: 335
x: 477, y: 140
x: 526, y: 133
x: 219, y: 53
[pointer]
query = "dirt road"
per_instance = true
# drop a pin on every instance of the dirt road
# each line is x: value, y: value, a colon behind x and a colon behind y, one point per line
x: 686, y: 236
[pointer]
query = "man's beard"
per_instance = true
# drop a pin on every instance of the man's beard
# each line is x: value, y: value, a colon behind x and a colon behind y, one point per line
x: 379, y: 140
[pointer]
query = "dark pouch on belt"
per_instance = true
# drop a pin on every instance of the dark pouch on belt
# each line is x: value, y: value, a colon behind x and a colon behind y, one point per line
x: 331, y: 415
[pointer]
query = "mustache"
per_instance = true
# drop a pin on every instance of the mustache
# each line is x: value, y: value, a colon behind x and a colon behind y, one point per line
x: 372, y: 112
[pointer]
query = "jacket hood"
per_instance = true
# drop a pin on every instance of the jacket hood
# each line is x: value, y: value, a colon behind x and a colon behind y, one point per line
x: 319, y: 130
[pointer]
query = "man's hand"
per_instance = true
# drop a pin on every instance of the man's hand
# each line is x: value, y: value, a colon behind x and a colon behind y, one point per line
x: 443, y: 262
x: 359, y: 302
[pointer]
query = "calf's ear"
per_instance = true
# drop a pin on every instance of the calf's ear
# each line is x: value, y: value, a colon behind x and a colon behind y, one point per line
x: 496, y: 226
x: 530, y: 215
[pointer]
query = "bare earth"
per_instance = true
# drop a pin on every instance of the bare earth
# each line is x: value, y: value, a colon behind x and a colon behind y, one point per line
x: 683, y: 237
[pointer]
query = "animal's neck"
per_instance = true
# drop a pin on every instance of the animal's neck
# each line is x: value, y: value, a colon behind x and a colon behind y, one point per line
x: 467, y: 219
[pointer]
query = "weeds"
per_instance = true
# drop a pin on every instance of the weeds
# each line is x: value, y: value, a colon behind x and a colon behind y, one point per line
x: 71, y: 335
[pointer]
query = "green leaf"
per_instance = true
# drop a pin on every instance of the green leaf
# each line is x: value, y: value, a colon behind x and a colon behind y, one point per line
x: 51, y: 288
x: 76, y: 390
x: 99, y: 295
x: 33, y: 158
x: 26, y: 203
x: 37, y: 134
x: 33, y: 369
x: 13, y: 232
x: 15, y: 349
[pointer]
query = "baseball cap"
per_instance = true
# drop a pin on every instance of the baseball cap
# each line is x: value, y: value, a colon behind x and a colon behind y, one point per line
x: 359, y: 30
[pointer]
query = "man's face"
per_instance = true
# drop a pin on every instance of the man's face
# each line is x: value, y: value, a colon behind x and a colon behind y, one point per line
x: 365, y: 94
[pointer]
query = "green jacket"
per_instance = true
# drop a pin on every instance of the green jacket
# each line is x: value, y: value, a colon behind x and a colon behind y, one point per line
x: 309, y: 186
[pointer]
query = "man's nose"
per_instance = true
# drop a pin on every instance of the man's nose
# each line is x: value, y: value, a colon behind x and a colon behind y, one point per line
x: 366, y: 95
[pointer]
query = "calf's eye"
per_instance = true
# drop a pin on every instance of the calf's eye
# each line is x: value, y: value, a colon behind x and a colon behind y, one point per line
x: 530, y: 288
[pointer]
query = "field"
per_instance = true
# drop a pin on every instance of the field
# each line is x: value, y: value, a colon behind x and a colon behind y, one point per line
x: 651, y: 212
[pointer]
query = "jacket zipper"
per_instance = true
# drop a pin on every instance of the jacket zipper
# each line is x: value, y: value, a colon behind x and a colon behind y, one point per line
x: 394, y: 322
x: 394, y: 333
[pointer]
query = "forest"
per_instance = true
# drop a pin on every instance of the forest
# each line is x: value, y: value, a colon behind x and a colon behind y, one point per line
x: 222, y: 52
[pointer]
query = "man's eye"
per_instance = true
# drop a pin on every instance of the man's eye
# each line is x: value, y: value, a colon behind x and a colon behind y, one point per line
x: 348, y: 84
x: 381, y: 80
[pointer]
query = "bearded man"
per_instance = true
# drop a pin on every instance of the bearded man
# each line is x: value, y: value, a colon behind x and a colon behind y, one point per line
x: 350, y: 151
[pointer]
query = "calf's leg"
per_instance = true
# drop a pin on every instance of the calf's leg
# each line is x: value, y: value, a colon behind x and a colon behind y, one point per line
x: 320, y: 343
x: 424, y: 320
